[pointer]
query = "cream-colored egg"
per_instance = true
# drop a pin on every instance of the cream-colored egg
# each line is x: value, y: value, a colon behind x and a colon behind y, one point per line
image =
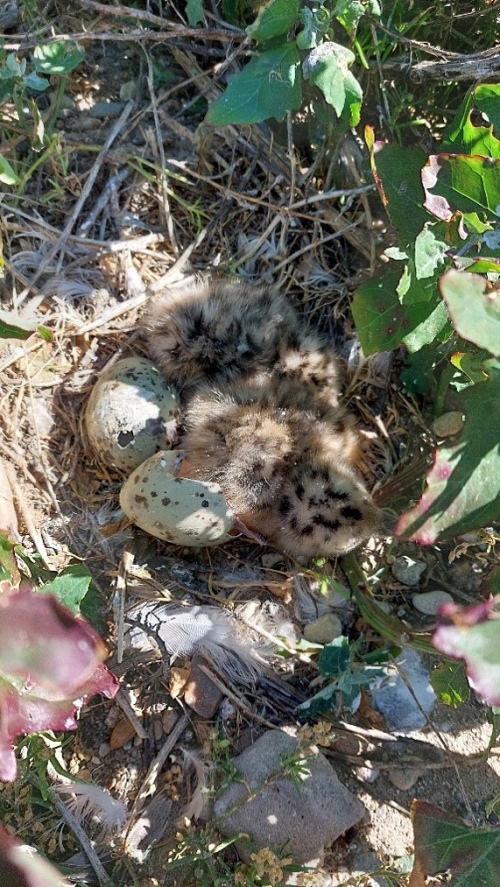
x: 131, y: 414
x: 175, y: 509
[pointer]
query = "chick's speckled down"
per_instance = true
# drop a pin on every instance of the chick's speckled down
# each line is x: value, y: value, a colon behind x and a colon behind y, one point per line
x: 260, y: 392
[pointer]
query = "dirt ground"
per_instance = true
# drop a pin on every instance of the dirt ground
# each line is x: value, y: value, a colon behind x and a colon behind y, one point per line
x: 138, y: 194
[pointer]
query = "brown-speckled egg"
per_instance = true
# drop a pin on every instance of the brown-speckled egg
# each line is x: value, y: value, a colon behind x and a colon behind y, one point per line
x: 131, y: 414
x: 175, y: 509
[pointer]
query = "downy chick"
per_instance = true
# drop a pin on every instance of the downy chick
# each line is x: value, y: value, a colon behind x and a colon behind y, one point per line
x: 261, y: 415
x: 221, y: 330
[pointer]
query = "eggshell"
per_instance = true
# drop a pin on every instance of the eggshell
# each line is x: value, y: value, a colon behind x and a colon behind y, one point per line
x: 175, y: 509
x: 131, y: 414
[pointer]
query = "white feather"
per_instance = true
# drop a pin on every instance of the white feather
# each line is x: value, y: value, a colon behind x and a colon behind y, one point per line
x: 87, y: 801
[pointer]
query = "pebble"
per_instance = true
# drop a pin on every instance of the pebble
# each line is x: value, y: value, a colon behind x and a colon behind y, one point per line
x: 408, y: 571
x: 128, y: 90
x: 324, y: 629
x: 106, y: 109
x: 404, y: 779
x: 270, y: 807
x: 448, y: 424
x: 429, y: 602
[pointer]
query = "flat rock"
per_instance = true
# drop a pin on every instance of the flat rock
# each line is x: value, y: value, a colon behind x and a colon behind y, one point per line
x: 304, y: 814
x: 324, y: 629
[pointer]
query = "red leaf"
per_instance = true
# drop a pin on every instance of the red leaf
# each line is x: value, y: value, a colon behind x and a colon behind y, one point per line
x: 50, y: 663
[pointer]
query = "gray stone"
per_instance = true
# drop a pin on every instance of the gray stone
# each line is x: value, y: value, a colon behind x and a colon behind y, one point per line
x: 324, y: 629
x: 429, y: 602
x: 408, y: 571
x: 404, y: 710
x: 301, y: 813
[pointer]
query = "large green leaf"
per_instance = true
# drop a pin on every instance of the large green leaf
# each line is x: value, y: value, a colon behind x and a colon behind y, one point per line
x: 463, y: 486
x: 445, y: 844
x: 458, y: 183
x: 476, y: 127
x: 397, y: 172
x: 275, y: 18
x: 269, y: 86
x: 385, y: 319
x: 474, y: 308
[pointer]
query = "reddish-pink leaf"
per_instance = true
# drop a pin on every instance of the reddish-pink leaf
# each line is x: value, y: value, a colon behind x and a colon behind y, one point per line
x: 473, y: 634
x: 50, y: 663
x: 42, y: 644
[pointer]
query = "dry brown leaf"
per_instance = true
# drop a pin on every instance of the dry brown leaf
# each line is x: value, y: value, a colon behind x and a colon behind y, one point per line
x: 122, y: 733
x: 178, y: 680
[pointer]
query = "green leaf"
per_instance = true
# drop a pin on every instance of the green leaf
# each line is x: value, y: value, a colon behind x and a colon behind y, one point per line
x: 474, y: 308
x: 33, y: 81
x: 471, y: 365
x: 450, y: 684
x: 275, y: 18
x: 457, y: 183
x: 194, y: 12
x: 315, y: 26
x: 57, y: 58
x: 476, y: 126
x: 348, y: 13
x: 12, y: 327
x: 13, y: 330
x: 397, y: 173
x: 443, y: 843
x: 334, y: 658
x: 7, y: 175
x: 384, y: 321
x: 493, y: 717
x: 267, y: 87
x: 418, y: 376
x: 327, y: 67
x: 70, y: 587
x: 463, y: 486
x: 233, y: 11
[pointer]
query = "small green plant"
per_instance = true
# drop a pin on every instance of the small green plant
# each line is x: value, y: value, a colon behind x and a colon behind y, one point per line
x: 348, y: 671
x: 296, y: 60
x: 21, y: 79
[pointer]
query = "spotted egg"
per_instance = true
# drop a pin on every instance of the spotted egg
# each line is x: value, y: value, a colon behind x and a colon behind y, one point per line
x: 175, y: 509
x: 131, y: 414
